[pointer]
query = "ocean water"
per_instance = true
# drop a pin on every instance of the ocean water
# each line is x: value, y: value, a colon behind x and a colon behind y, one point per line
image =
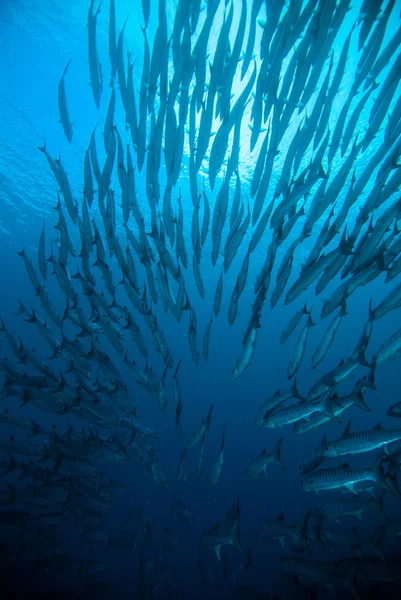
x: 37, y: 39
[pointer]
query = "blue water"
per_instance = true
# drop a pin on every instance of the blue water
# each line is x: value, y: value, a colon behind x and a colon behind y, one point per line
x: 36, y: 40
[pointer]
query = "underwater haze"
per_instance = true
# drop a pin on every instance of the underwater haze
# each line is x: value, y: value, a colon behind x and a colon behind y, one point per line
x: 200, y: 218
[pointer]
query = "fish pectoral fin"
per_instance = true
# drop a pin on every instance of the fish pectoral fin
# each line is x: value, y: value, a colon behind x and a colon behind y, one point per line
x: 281, y: 540
x: 351, y: 488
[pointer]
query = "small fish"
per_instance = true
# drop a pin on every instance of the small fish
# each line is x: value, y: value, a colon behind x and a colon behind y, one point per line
x: 260, y: 464
x: 62, y: 106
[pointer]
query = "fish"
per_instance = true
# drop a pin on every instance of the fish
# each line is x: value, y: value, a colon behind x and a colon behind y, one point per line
x: 292, y: 414
x: 362, y: 441
x: 247, y: 354
x: 200, y: 431
x: 95, y: 70
x: 265, y: 458
x: 328, y: 338
x: 324, y: 573
x: 315, y: 460
x: 215, y: 539
x: 292, y: 324
x: 300, y: 348
x: 218, y: 467
x: 394, y: 410
x: 346, y: 477
x: 62, y: 106
x: 274, y: 401
x: 279, y: 529
x: 351, y: 506
x: 241, y: 141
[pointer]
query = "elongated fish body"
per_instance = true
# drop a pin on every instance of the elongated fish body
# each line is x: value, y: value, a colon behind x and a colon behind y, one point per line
x: 233, y: 306
x: 274, y: 401
x: 146, y: 11
x: 362, y: 441
x: 342, y: 371
x: 218, y: 296
x: 197, y: 436
x: 260, y: 464
x: 247, y: 354
x: 300, y: 348
x: 293, y: 322
x: 218, y: 467
x: 201, y: 459
x: 215, y: 539
x: 313, y: 570
x: 315, y: 460
x: 206, y: 339
x: 158, y: 476
x: 62, y: 106
x: 94, y: 62
x: 340, y: 477
x: 388, y: 348
x: 350, y: 506
x: 328, y: 338
x: 302, y: 410
x: 279, y: 529
x: 32, y: 274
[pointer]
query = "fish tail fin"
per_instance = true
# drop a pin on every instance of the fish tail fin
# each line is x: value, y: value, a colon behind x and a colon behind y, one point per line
x: 359, y: 401
x: 177, y: 369
x: 345, y: 246
x: 390, y: 481
x: 371, y: 317
x: 294, y: 390
x: 235, y: 538
x: 362, y: 358
x: 35, y: 431
x: 327, y: 409
x: 21, y: 309
x: 370, y: 379
x: 276, y: 454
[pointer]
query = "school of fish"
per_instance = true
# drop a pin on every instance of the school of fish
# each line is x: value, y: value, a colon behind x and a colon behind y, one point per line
x: 122, y: 258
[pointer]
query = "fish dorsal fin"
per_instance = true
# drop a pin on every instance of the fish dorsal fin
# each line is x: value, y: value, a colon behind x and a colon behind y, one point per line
x: 346, y: 430
x: 280, y: 517
x: 324, y: 441
x: 264, y: 452
x: 377, y: 427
